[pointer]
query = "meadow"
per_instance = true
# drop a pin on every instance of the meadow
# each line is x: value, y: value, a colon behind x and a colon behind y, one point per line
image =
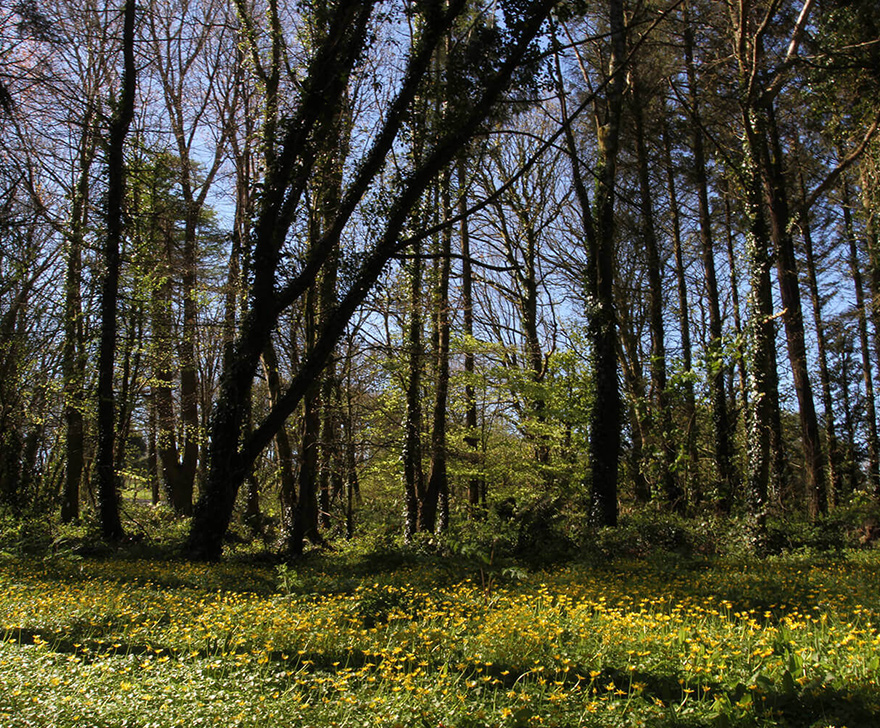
x: 666, y: 641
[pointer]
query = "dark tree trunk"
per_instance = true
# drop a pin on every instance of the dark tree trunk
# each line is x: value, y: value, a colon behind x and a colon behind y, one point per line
x: 475, y: 489
x: 287, y: 492
x: 413, y: 475
x: 821, y: 350
x: 787, y: 274
x: 438, y: 483
x: 720, y: 416
x: 660, y: 395
x: 637, y: 410
x: 689, y: 405
x: 108, y: 485
x: 598, y: 222
x: 74, y: 356
x: 864, y: 341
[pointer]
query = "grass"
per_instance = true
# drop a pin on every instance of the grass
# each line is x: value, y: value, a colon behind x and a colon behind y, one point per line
x: 658, y: 642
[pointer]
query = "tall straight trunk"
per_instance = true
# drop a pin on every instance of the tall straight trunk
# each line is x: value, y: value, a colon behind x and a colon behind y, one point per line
x: 475, y: 488
x: 684, y: 325
x: 329, y: 484
x: 189, y: 382
x: 734, y: 299
x: 152, y: 453
x: 604, y: 425
x: 179, y: 496
x: 767, y: 459
x: 720, y: 417
x: 438, y: 481
x: 761, y: 354
x: 849, y: 429
x: 413, y: 474
x: 598, y: 223
x: 864, y: 341
x: 776, y: 196
x: 821, y: 349
x: 108, y: 485
x: 327, y: 197
x: 306, y: 514
x: 660, y: 395
x: 130, y: 370
x: 287, y: 492
x: 637, y: 409
x: 873, y: 244
x: 74, y: 363
x: 352, y: 486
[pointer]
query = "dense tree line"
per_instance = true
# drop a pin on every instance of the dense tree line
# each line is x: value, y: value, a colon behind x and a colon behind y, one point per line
x: 301, y: 264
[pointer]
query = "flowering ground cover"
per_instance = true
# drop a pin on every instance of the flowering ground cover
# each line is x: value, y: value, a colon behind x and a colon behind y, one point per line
x: 790, y: 642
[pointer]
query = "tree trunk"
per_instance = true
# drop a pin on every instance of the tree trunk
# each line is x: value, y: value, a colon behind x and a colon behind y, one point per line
x: 660, y: 395
x: 74, y: 357
x: 720, y: 417
x: 867, y: 369
x: 787, y: 274
x: 689, y: 405
x: 475, y: 489
x: 438, y: 483
x: 287, y: 493
x: 821, y: 349
x: 598, y: 222
x: 413, y: 475
x: 735, y: 304
x: 108, y: 485
x: 760, y: 352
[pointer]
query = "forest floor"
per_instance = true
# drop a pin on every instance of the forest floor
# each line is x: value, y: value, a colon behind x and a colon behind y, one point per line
x: 661, y: 641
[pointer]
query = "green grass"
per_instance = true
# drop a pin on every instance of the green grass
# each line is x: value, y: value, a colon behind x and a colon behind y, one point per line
x: 658, y: 642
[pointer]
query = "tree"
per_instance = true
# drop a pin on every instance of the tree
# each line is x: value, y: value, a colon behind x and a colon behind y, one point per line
x: 108, y: 486
x: 597, y: 218
x: 319, y: 102
x: 188, y: 56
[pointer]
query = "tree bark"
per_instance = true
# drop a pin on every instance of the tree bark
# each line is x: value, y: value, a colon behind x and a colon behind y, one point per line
x: 475, y: 487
